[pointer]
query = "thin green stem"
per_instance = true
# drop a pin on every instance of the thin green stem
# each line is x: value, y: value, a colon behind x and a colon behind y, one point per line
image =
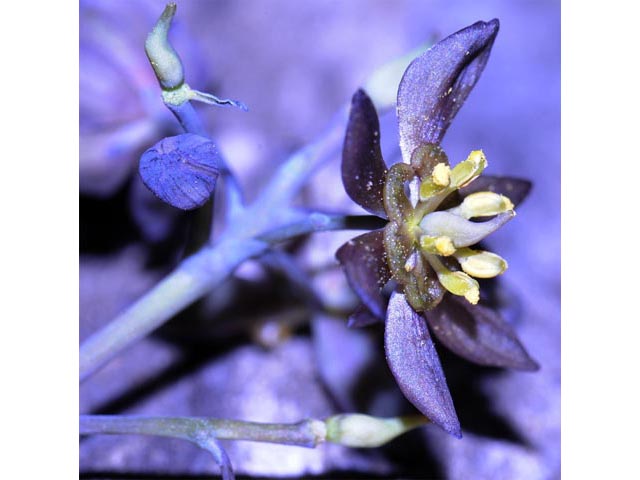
x: 293, y: 174
x: 321, y: 222
x: 307, y: 433
x: 349, y: 429
x: 251, y: 230
x: 191, y: 123
x: 194, y: 430
x: 193, y: 278
x: 168, y: 68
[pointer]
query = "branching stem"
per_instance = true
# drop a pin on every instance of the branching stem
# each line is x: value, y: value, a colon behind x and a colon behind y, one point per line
x: 250, y: 230
x: 194, y: 277
x: 307, y: 433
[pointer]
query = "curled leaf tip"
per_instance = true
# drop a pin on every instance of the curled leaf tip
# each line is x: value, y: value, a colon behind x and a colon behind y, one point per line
x: 211, y: 99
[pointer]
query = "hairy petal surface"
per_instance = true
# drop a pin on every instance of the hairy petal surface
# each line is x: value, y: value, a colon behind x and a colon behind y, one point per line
x: 478, y: 334
x: 414, y: 363
x: 516, y: 189
x: 436, y: 84
x: 363, y: 168
x: 364, y: 261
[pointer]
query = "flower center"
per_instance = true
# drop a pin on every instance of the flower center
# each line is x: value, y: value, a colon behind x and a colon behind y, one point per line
x: 427, y: 243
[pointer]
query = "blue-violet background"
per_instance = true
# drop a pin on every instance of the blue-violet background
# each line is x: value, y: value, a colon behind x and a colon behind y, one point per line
x: 295, y: 64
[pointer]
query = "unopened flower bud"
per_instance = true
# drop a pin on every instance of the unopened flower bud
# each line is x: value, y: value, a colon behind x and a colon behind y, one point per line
x: 363, y: 431
x: 164, y: 59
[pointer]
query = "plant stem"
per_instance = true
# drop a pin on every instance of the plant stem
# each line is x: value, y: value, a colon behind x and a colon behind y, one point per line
x: 321, y: 222
x: 250, y: 231
x: 191, y: 123
x: 307, y: 433
x: 194, y: 430
x: 293, y: 174
x: 194, y: 277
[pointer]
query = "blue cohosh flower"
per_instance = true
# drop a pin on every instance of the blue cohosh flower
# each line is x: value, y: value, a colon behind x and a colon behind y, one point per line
x: 425, y: 249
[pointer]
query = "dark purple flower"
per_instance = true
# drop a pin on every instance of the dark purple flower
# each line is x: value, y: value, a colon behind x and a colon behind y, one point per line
x: 425, y: 247
x: 181, y: 170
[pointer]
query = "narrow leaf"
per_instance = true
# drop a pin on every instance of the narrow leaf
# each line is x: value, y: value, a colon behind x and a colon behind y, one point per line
x: 363, y: 168
x: 364, y: 261
x: 478, y: 334
x: 437, y: 83
x: 415, y: 364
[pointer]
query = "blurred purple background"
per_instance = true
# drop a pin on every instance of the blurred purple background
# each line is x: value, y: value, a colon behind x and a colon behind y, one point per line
x: 295, y: 64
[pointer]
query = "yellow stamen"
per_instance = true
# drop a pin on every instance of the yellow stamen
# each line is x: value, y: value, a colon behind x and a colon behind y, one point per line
x: 458, y: 283
x: 467, y: 171
x: 480, y: 264
x: 437, y: 245
x: 483, y: 204
x: 444, y: 245
x: 441, y: 175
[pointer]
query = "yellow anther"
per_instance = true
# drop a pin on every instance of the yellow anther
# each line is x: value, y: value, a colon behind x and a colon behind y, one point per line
x: 461, y: 284
x: 444, y: 245
x: 441, y: 175
x: 437, y: 245
x: 483, y: 204
x: 458, y: 283
x: 480, y: 264
x: 467, y: 171
x: 428, y: 188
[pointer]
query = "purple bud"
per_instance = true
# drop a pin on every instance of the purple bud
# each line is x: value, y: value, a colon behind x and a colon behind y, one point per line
x: 121, y: 111
x: 181, y: 170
